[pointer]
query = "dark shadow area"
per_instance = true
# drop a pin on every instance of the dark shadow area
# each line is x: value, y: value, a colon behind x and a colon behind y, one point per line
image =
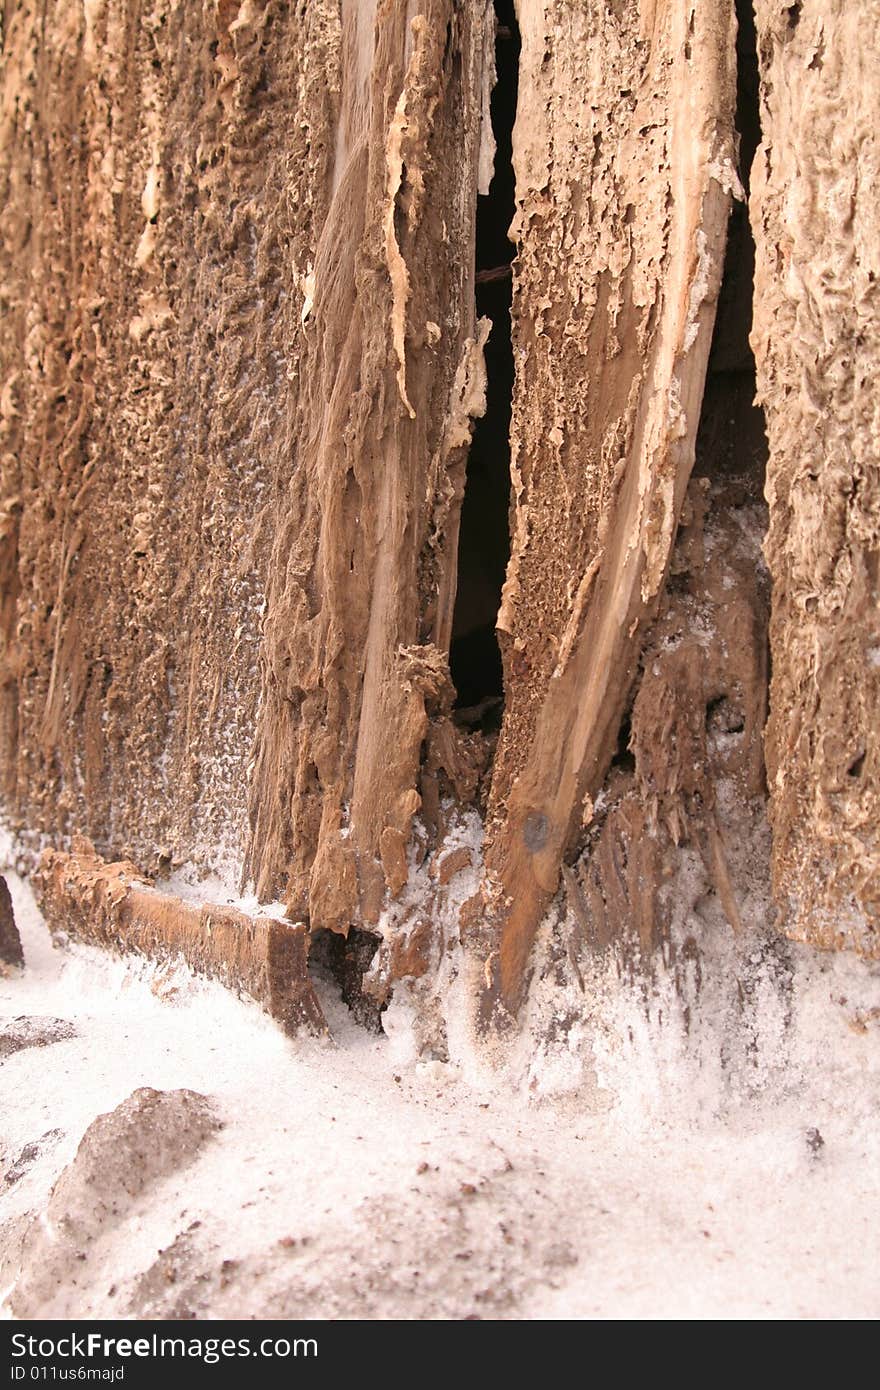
x: 346, y: 960
x: 732, y: 449
x: 732, y: 436
x: 484, y: 538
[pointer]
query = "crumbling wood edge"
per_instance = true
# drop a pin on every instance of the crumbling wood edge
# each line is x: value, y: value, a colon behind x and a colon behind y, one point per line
x: 113, y: 906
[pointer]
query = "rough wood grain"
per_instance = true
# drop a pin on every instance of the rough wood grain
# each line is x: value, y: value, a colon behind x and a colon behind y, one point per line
x: 161, y: 170
x: 240, y: 365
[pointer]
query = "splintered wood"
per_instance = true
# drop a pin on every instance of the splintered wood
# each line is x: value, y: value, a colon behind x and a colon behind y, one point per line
x: 649, y: 247
x: 112, y: 905
x: 241, y: 364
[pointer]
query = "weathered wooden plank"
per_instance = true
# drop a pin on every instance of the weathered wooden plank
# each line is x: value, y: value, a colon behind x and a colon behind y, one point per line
x: 112, y: 905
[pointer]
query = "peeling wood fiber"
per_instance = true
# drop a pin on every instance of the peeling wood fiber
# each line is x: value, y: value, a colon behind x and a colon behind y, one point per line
x: 388, y: 376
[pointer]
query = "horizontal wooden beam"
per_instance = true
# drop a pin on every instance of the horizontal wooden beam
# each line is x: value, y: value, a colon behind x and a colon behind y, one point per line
x: 113, y: 905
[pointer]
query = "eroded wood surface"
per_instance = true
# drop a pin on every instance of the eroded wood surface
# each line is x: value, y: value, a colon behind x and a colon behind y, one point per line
x: 241, y: 365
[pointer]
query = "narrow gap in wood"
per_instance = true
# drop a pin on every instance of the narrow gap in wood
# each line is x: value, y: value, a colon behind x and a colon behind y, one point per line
x: 731, y: 450
x: 731, y: 455
x: 623, y: 757
x: 345, y: 961
x: 732, y: 442
x: 484, y: 538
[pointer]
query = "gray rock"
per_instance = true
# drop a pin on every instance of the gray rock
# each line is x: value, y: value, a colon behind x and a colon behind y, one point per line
x: 29, y: 1154
x: 24, y: 1031
x: 120, y: 1157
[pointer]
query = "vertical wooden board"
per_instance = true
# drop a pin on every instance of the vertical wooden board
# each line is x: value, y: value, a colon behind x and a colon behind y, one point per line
x: 165, y: 165
x: 389, y: 375
x: 815, y: 337
x: 625, y: 168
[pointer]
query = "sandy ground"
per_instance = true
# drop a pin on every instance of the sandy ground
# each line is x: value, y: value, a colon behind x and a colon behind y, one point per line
x: 637, y: 1168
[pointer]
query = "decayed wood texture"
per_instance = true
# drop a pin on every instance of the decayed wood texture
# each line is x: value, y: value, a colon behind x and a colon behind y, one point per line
x: 241, y: 364
x: 161, y: 170
x: 816, y: 220
x: 388, y: 375
x: 239, y: 342
x: 240, y: 367
x: 112, y: 905
x: 624, y: 163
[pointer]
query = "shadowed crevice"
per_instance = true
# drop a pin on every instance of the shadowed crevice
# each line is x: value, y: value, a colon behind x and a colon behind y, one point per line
x: 484, y: 537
